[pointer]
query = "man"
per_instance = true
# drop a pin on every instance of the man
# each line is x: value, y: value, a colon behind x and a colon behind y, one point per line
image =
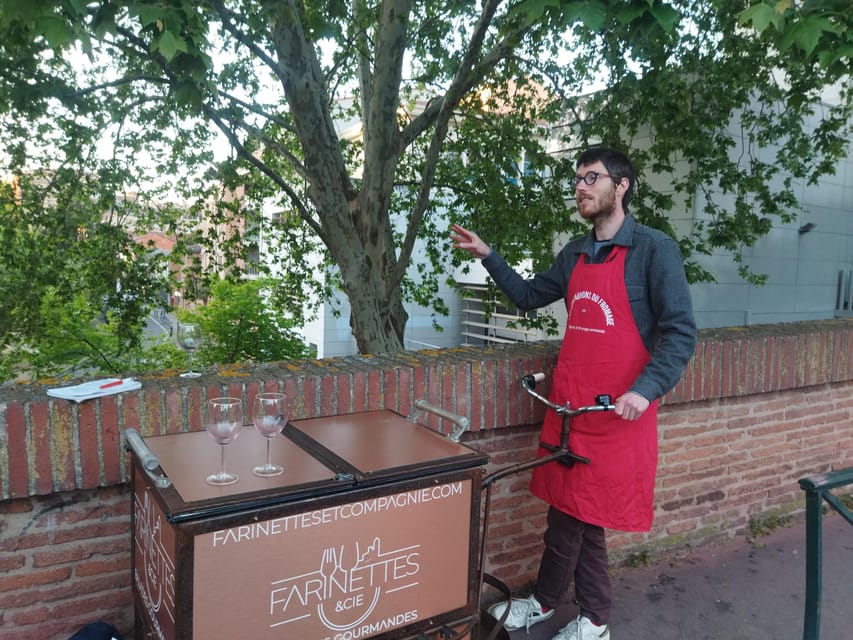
x: 630, y: 332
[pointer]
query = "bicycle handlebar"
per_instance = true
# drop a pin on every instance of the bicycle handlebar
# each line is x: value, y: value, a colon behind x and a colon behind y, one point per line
x: 602, y: 401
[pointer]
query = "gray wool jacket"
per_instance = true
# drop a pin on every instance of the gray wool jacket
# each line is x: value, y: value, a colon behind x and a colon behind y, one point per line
x: 657, y: 291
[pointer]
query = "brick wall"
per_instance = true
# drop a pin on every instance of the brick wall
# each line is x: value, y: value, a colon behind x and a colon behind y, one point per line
x: 757, y: 409
x: 64, y: 561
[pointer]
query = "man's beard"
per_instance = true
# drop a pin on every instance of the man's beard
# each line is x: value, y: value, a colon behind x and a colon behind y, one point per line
x: 594, y: 210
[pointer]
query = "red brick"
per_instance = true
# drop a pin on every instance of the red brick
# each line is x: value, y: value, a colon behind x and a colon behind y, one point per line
x: 402, y: 395
x: 344, y: 392
x: 432, y: 394
x: 41, y: 465
x: 375, y: 394
x: 711, y: 383
x: 461, y: 402
x: 842, y: 364
x: 771, y: 376
x: 502, y: 393
x: 447, y: 397
x: 513, y: 393
x: 129, y: 414
x: 738, y: 371
x: 253, y: 388
x: 62, y: 555
x: 787, y: 353
x: 90, y: 459
x: 291, y: 391
x: 475, y: 402
x: 18, y: 455
x: 64, y: 447
x: 488, y: 383
x: 12, y: 562
x: 754, y: 366
x: 309, y: 395
x: 65, y: 590
x: 45, y: 629
x: 418, y: 383
x: 328, y: 396
x: 29, y: 579
x: 174, y: 419
x: 96, y: 567
x: 723, y: 459
x: 113, y: 452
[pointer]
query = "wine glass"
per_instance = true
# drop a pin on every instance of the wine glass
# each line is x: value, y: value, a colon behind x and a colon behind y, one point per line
x: 189, y: 339
x: 270, y: 412
x: 223, y: 423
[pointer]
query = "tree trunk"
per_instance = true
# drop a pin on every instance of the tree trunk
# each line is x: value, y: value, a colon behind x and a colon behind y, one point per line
x: 377, y: 324
x: 354, y: 224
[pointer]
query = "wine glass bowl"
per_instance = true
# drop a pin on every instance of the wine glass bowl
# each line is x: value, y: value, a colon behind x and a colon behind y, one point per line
x: 270, y: 412
x: 188, y: 336
x: 223, y: 422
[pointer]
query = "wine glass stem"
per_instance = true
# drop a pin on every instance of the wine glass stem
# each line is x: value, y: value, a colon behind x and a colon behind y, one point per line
x: 191, y: 361
x: 268, y: 453
x: 221, y: 459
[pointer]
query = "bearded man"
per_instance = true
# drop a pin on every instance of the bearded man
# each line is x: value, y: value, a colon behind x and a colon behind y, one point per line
x: 630, y: 332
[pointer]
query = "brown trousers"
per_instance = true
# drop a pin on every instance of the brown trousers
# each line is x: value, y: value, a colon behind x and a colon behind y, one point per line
x: 575, y: 550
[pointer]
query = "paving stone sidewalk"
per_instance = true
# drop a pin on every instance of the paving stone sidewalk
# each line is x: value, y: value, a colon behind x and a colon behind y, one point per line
x: 737, y: 590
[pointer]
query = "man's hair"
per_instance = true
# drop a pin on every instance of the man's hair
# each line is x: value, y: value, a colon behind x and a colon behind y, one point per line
x: 617, y: 164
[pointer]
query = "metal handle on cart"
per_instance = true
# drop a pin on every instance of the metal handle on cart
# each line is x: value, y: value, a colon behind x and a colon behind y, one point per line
x: 147, y: 459
x: 462, y: 423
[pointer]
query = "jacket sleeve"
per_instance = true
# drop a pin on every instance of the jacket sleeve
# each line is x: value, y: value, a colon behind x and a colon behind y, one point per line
x: 675, y: 328
x: 540, y: 290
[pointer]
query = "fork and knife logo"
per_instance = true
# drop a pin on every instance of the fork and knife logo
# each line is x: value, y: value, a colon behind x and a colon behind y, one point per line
x: 347, y: 587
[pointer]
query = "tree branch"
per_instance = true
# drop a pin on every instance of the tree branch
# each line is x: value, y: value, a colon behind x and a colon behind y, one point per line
x: 439, y: 113
x: 118, y: 82
x: 229, y: 22
x: 263, y: 168
x: 254, y: 108
x: 270, y: 142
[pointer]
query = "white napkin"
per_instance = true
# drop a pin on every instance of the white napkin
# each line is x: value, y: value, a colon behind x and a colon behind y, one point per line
x: 95, y: 389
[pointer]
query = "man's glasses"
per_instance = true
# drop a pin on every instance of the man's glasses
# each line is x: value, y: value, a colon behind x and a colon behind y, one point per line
x: 590, y: 178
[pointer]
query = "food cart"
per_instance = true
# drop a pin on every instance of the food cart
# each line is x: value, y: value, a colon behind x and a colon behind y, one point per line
x: 370, y: 532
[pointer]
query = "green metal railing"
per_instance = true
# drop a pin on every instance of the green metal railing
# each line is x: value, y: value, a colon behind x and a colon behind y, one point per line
x: 818, y: 489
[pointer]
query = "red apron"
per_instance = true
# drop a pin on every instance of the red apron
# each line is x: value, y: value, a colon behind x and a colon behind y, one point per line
x: 602, y: 352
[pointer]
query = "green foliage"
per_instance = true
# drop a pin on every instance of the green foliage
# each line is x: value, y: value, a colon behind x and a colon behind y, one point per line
x: 764, y: 525
x: 243, y: 322
x: 637, y: 559
x: 815, y: 31
x: 75, y: 286
x: 340, y: 139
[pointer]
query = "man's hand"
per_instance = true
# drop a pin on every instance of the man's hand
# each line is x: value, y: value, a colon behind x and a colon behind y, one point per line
x: 470, y: 242
x: 630, y: 406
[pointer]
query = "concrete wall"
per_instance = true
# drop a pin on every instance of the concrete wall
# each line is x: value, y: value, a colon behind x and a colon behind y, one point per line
x: 757, y: 409
x: 802, y: 268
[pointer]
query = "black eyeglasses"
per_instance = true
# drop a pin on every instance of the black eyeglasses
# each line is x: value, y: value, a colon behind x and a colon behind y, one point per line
x: 590, y: 178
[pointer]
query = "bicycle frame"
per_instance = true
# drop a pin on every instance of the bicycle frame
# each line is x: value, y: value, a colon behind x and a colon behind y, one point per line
x: 558, y: 453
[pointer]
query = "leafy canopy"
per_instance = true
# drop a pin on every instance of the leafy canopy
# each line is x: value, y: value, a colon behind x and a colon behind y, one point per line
x: 341, y: 139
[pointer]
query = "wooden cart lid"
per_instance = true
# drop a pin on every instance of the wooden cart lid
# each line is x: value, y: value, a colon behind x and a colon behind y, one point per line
x: 380, y: 445
x: 320, y: 456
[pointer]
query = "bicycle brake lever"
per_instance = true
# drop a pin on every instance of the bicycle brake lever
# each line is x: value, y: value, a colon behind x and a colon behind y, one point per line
x: 603, y: 400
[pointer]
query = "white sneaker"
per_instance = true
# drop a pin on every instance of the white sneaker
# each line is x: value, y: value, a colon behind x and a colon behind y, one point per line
x: 523, y: 612
x: 582, y: 628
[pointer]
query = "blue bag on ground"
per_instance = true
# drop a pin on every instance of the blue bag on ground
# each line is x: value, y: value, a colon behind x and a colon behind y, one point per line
x: 97, y: 631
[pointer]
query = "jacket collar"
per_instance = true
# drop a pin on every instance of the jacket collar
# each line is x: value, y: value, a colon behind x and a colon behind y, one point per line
x: 623, y: 237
